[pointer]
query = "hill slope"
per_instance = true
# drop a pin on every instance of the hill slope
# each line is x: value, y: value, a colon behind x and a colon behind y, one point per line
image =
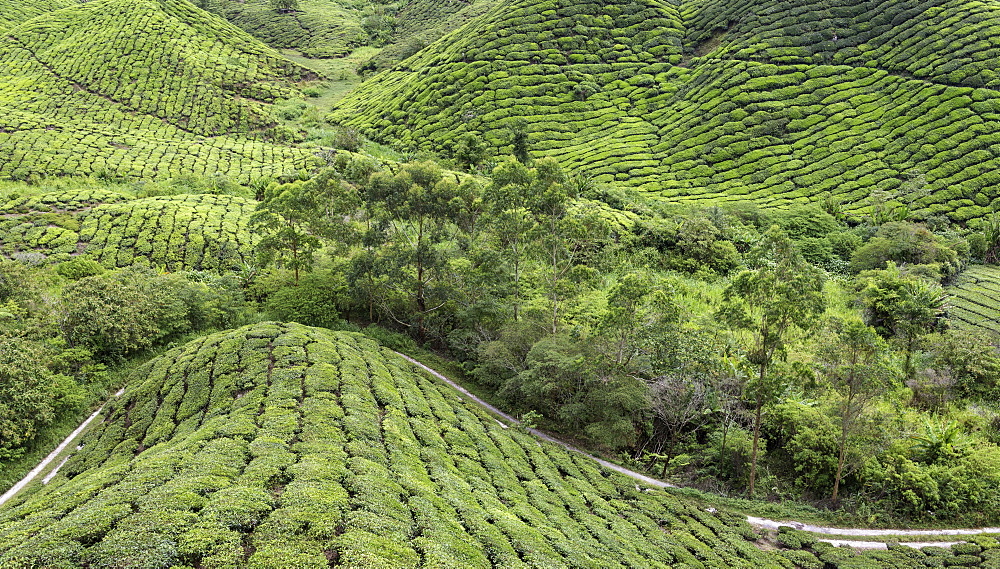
x: 178, y: 232
x: 319, y: 28
x: 13, y: 12
x: 152, y: 88
x: 975, y: 299
x: 782, y: 103
x: 287, y: 446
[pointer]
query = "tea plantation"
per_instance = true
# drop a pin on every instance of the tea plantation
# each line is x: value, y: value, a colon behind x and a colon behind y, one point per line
x: 650, y: 95
x: 973, y: 302
x: 318, y: 28
x: 176, y: 232
x: 13, y: 12
x: 279, y: 445
x: 152, y: 89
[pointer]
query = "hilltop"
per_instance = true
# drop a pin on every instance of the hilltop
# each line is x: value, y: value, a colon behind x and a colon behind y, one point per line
x: 785, y: 103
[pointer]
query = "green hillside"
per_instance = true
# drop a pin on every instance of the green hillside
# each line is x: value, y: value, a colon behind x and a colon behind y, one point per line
x: 13, y: 12
x: 319, y: 28
x: 769, y: 111
x: 421, y: 22
x: 176, y: 232
x: 944, y: 41
x: 149, y: 89
x: 285, y: 446
x: 279, y: 445
x: 975, y: 299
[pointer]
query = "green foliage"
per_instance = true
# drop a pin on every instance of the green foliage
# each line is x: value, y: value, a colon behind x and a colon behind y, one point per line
x: 285, y: 6
x: 906, y: 244
x: 30, y: 394
x: 78, y: 268
x: 901, y: 306
x: 782, y: 293
x: 313, y: 301
x: 291, y: 218
x: 120, y: 312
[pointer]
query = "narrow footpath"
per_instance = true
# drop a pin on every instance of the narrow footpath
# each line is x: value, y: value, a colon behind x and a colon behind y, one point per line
x: 10, y: 493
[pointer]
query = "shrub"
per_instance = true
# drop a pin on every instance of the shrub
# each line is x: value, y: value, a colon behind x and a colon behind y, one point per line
x: 79, y: 267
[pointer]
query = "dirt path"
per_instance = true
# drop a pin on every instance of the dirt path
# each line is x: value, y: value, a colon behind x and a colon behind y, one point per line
x: 52, y: 456
x: 754, y: 521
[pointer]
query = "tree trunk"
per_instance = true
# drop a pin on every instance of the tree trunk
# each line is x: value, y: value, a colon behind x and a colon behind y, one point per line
x: 722, y: 451
x: 756, y: 441
x: 840, y: 464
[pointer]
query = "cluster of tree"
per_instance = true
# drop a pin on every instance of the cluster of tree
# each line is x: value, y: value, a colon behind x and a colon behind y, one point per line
x: 61, y: 328
x: 699, y: 342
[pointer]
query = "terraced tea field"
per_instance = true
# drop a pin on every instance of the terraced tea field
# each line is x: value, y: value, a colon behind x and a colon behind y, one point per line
x: 13, y: 12
x: 318, y: 29
x: 151, y: 89
x: 975, y: 299
x: 618, y: 93
x: 177, y: 232
x: 950, y: 41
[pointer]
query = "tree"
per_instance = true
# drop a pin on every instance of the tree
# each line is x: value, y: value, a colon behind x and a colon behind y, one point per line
x: 908, y: 244
x: 285, y: 6
x: 421, y: 208
x: 470, y: 150
x: 30, y: 394
x: 295, y: 219
x: 855, y: 361
x: 901, y: 306
x: 508, y: 198
x: 783, y: 292
x: 640, y: 312
x: 520, y: 144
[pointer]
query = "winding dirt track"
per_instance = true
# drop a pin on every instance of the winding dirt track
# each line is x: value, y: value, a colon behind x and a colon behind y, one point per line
x: 648, y: 481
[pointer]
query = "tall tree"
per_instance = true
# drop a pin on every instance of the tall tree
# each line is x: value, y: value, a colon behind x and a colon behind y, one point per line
x: 295, y: 219
x: 511, y: 221
x: 422, y: 207
x: 856, y: 363
x: 781, y: 293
